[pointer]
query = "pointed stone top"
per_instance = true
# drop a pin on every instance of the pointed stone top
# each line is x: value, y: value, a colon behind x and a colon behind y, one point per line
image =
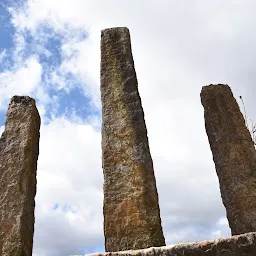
x: 115, y: 30
x: 25, y: 100
x: 18, y: 106
x: 215, y: 85
x: 215, y: 89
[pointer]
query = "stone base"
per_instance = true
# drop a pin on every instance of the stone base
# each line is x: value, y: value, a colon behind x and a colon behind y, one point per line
x: 241, y: 245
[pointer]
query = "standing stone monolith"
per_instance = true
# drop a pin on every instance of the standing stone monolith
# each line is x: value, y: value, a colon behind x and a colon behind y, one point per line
x: 19, y: 148
x: 131, y: 211
x: 233, y: 154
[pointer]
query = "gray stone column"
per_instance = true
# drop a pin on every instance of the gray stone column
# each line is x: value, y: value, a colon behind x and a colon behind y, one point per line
x: 131, y: 210
x: 242, y: 245
x: 19, y: 148
x: 233, y: 154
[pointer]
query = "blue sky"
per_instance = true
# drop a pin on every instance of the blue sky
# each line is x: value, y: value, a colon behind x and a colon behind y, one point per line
x: 51, y: 52
x: 6, y: 43
x: 7, y: 31
x: 50, y: 59
x: 64, y: 97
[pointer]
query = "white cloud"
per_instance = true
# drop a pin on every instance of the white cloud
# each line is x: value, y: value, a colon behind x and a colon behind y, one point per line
x: 79, y: 55
x: 2, y: 55
x: 1, y: 129
x: 178, y: 47
x: 81, y: 59
x: 22, y: 81
x: 69, y: 174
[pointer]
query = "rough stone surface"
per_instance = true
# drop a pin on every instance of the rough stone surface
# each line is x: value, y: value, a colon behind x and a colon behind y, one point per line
x: 19, y: 148
x: 242, y: 245
x: 131, y: 210
x: 234, y: 156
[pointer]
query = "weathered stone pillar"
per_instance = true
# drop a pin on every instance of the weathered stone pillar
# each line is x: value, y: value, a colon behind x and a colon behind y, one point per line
x: 233, y: 154
x: 19, y: 147
x: 131, y: 210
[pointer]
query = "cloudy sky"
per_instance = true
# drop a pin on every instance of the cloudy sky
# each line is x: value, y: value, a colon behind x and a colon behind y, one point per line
x: 50, y: 50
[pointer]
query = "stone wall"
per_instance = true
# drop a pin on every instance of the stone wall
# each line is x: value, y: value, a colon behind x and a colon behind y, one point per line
x: 241, y: 245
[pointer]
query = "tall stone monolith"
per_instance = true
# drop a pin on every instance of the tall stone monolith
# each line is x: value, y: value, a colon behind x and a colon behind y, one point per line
x: 131, y: 210
x: 233, y: 154
x: 19, y: 148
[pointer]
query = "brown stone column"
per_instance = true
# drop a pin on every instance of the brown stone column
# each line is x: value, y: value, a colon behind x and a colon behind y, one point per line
x: 233, y: 154
x: 131, y: 210
x: 19, y: 148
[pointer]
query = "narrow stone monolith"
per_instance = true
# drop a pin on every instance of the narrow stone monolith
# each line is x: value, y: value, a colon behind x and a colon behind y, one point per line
x: 131, y: 210
x: 234, y: 156
x: 19, y: 148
